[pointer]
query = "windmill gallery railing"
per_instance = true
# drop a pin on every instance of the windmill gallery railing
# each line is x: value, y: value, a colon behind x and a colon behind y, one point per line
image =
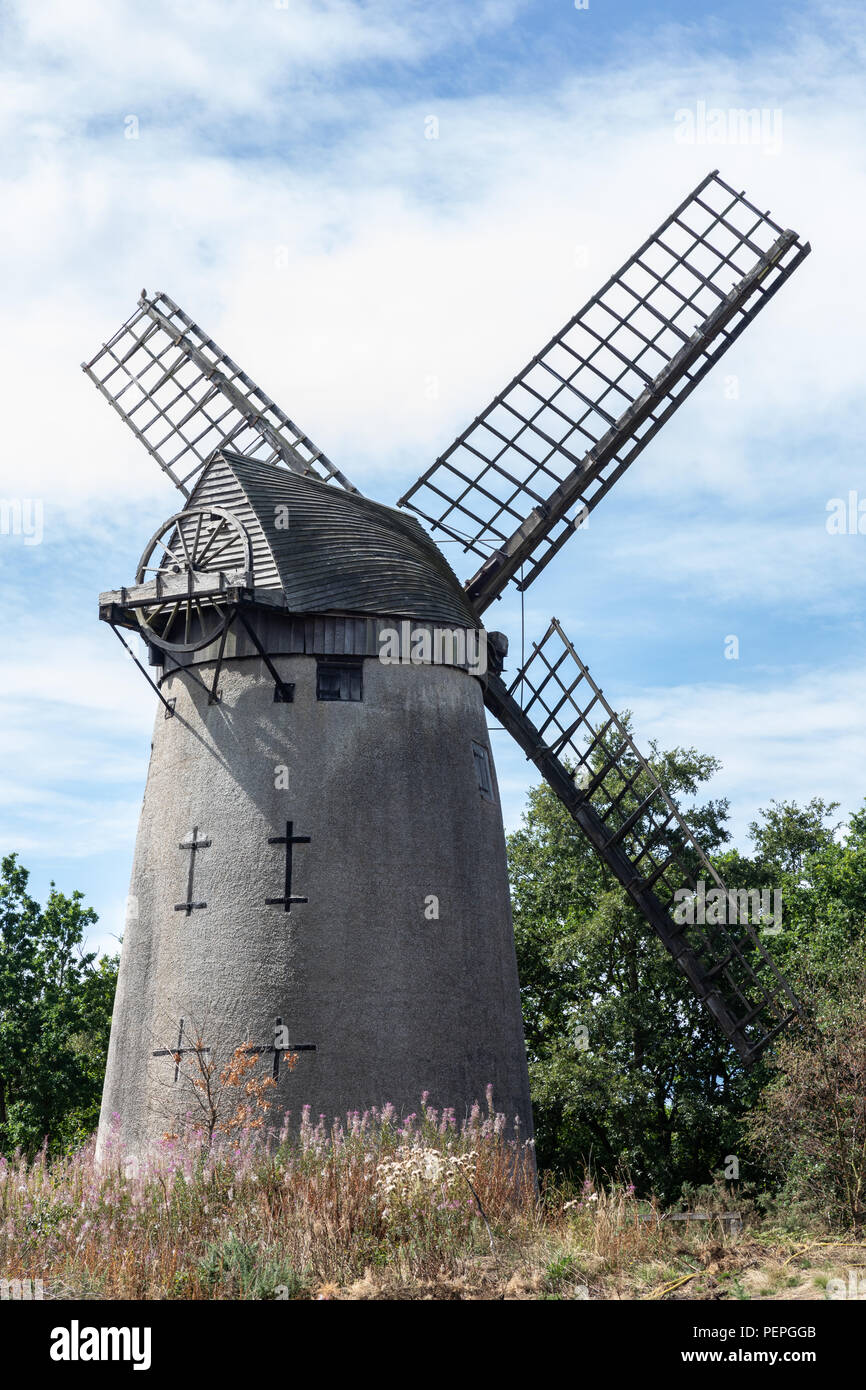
x: 564, y: 724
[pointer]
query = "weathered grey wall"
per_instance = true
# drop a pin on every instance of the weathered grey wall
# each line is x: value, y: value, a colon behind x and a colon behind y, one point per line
x: 387, y: 790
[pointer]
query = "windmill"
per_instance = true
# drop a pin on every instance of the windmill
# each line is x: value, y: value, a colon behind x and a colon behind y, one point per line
x: 320, y: 863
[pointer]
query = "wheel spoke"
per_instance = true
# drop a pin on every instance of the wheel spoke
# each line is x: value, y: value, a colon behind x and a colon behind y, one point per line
x: 182, y: 540
x: 167, y: 548
x: 170, y: 560
x: 228, y: 545
x: 201, y: 618
x: 171, y: 619
x: 155, y: 569
x: 197, y: 537
x: 149, y: 617
x: 213, y: 535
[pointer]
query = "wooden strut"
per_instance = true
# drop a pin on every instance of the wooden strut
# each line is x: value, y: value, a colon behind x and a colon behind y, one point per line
x: 214, y: 694
x: 285, y: 690
x: 169, y: 707
x: 210, y: 691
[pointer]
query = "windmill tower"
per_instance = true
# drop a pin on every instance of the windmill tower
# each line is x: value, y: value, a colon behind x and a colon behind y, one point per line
x: 320, y: 863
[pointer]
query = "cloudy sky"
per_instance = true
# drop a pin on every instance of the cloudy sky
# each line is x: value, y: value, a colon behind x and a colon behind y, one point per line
x: 268, y: 165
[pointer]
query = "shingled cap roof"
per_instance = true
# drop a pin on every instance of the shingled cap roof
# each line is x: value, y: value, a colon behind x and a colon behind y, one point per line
x: 333, y: 550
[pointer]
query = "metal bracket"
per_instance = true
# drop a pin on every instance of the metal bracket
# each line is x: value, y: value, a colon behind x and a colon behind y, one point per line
x: 169, y: 704
x: 286, y: 690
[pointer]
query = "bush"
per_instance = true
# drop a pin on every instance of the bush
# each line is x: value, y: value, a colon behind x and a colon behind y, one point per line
x: 811, y: 1124
x: 233, y: 1268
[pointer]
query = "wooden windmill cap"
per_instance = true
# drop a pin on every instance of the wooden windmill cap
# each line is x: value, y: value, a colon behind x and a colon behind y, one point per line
x: 333, y: 550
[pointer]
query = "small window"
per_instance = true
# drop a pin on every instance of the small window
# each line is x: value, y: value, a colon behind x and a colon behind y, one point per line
x: 483, y: 771
x: 338, y: 680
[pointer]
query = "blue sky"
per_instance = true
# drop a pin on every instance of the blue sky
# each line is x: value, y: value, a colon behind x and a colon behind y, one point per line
x: 281, y: 189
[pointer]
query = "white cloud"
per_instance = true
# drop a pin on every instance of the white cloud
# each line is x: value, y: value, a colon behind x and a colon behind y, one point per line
x: 734, y: 559
x: 788, y: 740
x: 419, y: 266
x: 219, y: 59
x: 73, y: 746
x: 416, y: 268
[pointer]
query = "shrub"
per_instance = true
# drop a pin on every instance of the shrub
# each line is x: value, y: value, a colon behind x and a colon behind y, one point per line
x: 811, y: 1123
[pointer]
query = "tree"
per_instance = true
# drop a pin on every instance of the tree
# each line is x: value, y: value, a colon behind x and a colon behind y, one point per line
x: 227, y: 1095
x: 810, y: 1123
x: 55, y: 1016
x: 628, y: 1071
x: 790, y: 835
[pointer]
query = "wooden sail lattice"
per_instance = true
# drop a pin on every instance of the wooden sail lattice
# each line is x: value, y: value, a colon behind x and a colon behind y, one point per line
x: 545, y: 451
x: 642, y: 836
x: 183, y: 397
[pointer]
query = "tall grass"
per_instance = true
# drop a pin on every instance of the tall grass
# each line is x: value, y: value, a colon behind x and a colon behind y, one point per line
x: 266, y: 1216
x: 373, y: 1206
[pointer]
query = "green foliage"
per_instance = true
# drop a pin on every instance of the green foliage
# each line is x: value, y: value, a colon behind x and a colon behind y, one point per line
x: 810, y: 1125
x: 55, y: 1017
x: 560, y: 1273
x: 233, y: 1268
x: 651, y: 1091
x: 791, y: 835
x: 655, y: 1092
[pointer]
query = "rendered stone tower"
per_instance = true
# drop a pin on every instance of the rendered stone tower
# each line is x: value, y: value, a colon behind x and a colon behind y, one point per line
x: 320, y: 863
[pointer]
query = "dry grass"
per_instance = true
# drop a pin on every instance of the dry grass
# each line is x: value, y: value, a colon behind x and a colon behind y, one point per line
x: 375, y: 1208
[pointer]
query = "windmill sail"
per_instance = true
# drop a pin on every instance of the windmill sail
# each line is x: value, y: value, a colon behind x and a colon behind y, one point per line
x: 183, y: 397
x: 561, y: 719
x: 545, y: 451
